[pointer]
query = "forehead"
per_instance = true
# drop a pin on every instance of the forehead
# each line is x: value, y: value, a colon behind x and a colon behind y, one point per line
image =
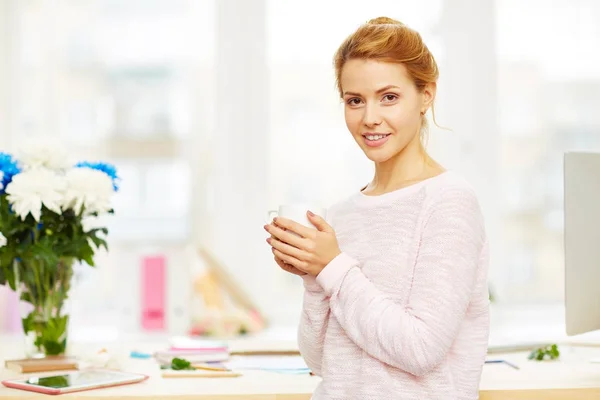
x: 370, y: 75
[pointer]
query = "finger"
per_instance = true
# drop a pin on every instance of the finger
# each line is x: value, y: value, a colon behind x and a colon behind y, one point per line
x: 295, y: 227
x: 290, y: 260
x: 285, y: 236
x: 281, y: 263
x: 319, y: 222
x: 288, y: 268
x: 287, y: 249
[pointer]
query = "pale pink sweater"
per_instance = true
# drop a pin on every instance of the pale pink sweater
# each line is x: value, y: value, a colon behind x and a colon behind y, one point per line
x: 403, y: 312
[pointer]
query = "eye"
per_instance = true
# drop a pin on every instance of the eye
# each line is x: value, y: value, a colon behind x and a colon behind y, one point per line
x: 353, y: 101
x: 390, y: 97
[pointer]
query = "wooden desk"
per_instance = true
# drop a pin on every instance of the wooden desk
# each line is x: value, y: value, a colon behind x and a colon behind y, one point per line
x: 574, y: 377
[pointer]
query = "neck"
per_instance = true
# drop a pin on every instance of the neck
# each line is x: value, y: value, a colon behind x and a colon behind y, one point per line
x: 409, y: 166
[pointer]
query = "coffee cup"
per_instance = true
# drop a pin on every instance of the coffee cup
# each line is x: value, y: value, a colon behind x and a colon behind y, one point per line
x: 297, y: 213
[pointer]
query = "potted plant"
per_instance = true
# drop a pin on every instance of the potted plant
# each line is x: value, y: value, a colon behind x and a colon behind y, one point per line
x: 49, y: 210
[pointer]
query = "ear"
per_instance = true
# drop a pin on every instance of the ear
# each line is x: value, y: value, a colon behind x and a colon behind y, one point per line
x: 429, y: 92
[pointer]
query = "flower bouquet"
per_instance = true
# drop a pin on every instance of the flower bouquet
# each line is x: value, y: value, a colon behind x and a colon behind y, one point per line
x: 49, y: 211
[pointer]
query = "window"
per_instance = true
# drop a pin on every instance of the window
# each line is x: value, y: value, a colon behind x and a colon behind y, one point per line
x: 140, y: 83
x: 548, y: 80
x: 120, y: 81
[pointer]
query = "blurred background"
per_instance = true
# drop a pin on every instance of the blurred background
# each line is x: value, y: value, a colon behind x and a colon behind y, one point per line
x: 217, y: 111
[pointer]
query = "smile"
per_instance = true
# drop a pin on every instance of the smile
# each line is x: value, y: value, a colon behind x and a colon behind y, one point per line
x: 376, y: 140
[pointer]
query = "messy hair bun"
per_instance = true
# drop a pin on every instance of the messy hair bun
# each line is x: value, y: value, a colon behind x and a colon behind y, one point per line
x: 386, y: 39
x: 384, y: 21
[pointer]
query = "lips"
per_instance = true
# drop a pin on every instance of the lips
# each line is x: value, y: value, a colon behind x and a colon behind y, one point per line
x: 375, y: 139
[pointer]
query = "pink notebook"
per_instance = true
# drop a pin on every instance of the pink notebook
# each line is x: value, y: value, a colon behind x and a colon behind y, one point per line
x: 153, y: 292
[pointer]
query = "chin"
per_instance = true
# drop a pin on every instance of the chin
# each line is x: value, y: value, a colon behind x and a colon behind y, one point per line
x: 383, y: 153
x: 378, y: 155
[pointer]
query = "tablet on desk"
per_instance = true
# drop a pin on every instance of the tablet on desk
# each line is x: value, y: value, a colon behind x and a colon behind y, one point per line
x: 74, y: 381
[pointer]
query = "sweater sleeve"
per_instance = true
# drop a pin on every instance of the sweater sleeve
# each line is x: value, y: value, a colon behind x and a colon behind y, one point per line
x: 313, y: 320
x: 313, y: 324
x: 417, y: 336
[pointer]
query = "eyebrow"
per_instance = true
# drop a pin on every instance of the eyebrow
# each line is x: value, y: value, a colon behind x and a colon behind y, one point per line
x: 378, y: 91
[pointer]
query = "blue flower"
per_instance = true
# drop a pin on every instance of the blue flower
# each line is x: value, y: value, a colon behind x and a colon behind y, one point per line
x: 108, y: 169
x: 9, y: 168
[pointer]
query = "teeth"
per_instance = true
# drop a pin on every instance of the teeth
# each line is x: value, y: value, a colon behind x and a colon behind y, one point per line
x: 375, y: 137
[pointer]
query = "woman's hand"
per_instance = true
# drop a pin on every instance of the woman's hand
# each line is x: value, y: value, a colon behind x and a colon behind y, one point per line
x: 289, y: 267
x: 308, y: 250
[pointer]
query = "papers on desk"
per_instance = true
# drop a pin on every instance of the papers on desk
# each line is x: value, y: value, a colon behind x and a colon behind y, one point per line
x: 166, y: 356
x: 218, y: 354
x: 280, y: 364
x: 193, y: 350
x: 195, y: 344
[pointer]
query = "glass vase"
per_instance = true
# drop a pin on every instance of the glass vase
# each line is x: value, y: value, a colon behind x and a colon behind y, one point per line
x: 43, y: 289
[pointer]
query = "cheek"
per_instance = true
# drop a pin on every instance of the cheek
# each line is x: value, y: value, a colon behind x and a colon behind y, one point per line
x: 353, y: 119
x: 400, y: 117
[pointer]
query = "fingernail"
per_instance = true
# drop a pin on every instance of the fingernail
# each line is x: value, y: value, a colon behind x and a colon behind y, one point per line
x: 275, y: 219
x: 269, y: 240
x: 311, y: 213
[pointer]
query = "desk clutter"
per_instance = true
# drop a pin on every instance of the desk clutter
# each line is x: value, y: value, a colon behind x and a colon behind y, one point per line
x: 207, y: 358
x: 266, y: 370
x: 180, y: 358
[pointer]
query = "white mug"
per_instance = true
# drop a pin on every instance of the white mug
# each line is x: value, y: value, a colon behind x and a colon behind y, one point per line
x: 297, y: 213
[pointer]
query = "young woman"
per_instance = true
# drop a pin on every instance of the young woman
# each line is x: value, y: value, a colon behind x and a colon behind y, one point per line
x: 396, y: 303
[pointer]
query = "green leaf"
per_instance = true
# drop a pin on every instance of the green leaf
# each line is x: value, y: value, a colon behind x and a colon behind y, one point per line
x: 27, y: 323
x: 54, y: 348
x: 549, y: 352
x: 53, y: 335
x: 179, y: 364
x: 554, y: 353
x: 7, y: 273
x: 26, y: 297
x: 55, y: 328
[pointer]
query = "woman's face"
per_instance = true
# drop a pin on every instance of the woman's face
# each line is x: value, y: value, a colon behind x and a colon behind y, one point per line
x: 383, y: 107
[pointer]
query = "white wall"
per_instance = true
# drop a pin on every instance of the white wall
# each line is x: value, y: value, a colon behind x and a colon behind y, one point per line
x: 468, y: 102
x: 240, y: 149
x: 7, y: 35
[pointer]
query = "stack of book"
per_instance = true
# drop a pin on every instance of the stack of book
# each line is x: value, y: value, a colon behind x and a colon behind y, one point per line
x: 29, y: 365
x: 193, y: 350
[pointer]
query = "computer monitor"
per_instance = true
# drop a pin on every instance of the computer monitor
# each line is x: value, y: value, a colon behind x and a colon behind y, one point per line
x: 582, y: 241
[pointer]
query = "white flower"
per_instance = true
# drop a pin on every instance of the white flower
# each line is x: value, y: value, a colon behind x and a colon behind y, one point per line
x: 1, y: 177
x: 89, y: 222
x: 89, y: 189
x: 29, y: 190
x: 3, y: 240
x: 41, y: 152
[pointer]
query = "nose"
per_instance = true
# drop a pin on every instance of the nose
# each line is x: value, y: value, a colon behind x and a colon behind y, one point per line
x: 371, y: 116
